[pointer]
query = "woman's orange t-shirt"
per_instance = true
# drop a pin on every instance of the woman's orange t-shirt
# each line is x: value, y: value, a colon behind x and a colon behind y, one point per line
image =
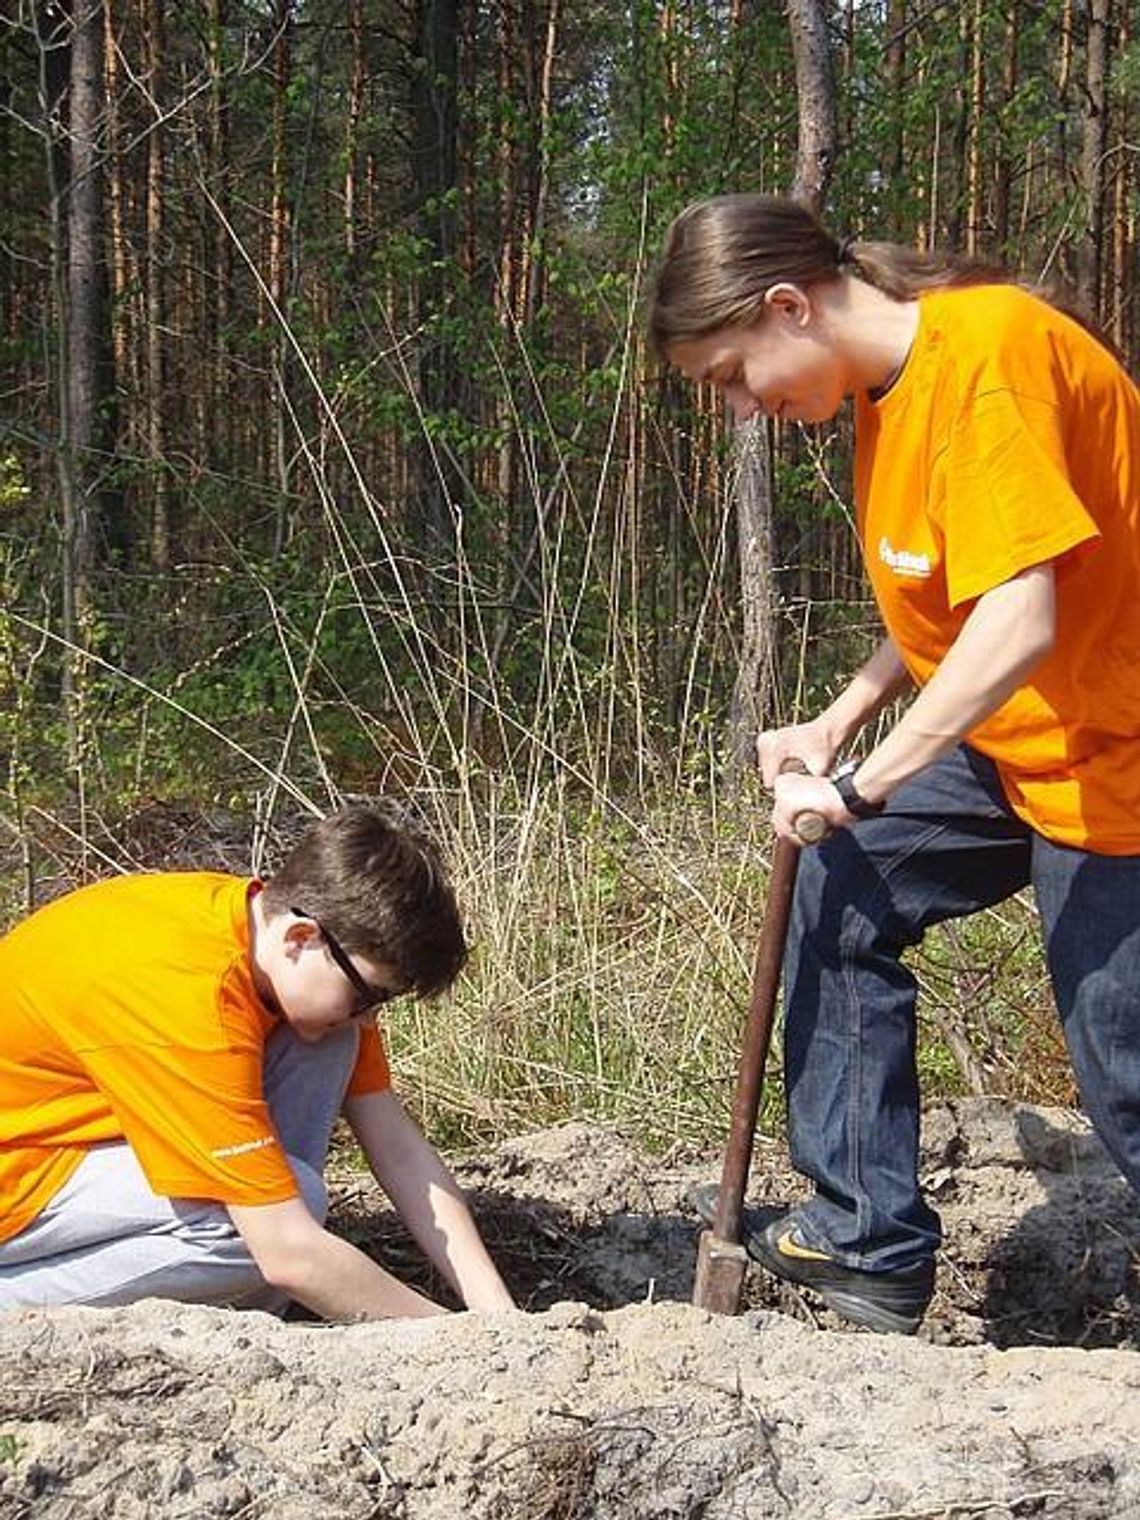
x: 128, y: 1011
x: 1012, y: 439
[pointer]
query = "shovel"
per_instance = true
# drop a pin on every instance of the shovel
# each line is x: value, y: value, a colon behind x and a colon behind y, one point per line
x: 721, y: 1259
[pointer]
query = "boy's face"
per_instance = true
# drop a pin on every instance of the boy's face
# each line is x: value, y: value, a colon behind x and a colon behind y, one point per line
x: 319, y: 987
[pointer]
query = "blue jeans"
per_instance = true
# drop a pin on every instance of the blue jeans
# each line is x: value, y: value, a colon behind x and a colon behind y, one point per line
x: 947, y: 845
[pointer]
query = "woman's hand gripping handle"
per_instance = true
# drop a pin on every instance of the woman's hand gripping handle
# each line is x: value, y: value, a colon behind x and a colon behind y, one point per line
x: 809, y: 826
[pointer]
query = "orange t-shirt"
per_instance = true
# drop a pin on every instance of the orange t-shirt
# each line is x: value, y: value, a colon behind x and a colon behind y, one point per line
x: 1012, y: 439
x: 128, y: 1011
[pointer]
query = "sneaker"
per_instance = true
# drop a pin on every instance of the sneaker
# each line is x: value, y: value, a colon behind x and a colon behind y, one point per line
x: 881, y: 1301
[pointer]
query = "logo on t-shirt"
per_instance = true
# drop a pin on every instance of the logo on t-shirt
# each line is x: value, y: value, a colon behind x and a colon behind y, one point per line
x: 240, y: 1150
x: 903, y: 562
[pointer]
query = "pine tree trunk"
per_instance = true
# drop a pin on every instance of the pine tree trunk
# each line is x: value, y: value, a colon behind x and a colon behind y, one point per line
x: 357, y: 82
x: 1123, y: 298
x: 1093, y: 143
x: 83, y: 328
x: 753, y: 690
x: 974, y: 190
x: 815, y: 89
x: 279, y: 238
x: 222, y: 410
x: 435, y: 110
x: 156, y: 317
x: 1003, y: 166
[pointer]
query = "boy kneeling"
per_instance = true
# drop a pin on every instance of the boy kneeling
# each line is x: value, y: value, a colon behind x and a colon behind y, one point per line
x: 174, y: 1052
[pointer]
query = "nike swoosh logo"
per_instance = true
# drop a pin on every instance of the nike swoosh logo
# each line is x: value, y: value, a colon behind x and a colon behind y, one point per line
x: 788, y: 1245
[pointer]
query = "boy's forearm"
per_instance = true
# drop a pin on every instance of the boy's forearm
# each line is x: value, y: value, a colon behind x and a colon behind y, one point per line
x: 427, y: 1197
x: 339, y: 1282
x: 448, y: 1234
x: 328, y: 1275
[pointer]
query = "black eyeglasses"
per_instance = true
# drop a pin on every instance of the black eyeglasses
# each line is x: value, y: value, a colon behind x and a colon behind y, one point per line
x: 370, y: 997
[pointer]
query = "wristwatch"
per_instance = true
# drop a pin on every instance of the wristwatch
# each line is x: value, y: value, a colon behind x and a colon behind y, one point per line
x: 843, y: 780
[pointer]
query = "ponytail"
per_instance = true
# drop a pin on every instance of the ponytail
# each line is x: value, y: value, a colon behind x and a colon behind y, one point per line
x: 721, y: 257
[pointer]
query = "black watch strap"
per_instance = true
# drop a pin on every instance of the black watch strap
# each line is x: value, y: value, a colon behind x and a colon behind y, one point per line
x: 844, y: 783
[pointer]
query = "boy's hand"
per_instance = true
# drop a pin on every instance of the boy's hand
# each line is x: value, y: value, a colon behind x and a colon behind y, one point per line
x: 492, y: 1297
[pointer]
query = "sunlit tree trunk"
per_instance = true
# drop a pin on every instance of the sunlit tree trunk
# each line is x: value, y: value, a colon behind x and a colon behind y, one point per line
x: 84, y: 315
x: 121, y: 261
x: 896, y: 73
x: 156, y: 316
x: 1122, y: 307
x: 960, y: 138
x: 1093, y: 143
x: 1003, y: 165
x: 753, y: 690
x: 279, y: 241
x: 357, y: 82
x: 220, y: 405
x: 509, y: 260
x: 975, y: 211
x: 815, y: 87
x: 533, y: 291
x: 435, y: 107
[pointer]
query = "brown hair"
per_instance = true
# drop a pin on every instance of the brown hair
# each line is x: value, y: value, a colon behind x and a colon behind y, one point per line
x: 721, y: 256
x: 375, y: 878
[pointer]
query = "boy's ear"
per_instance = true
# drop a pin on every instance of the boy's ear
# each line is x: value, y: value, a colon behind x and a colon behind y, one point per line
x: 298, y: 933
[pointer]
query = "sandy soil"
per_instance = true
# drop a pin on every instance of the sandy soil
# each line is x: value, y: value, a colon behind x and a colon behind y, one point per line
x: 614, y: 1397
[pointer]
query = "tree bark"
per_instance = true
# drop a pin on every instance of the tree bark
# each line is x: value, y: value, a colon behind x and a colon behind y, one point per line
x: 974, y: 209
x: 1121, y: 307
x: 1003, y: 166
x: 224, y: 421
x: 357, y: 81
x: 815, y: 89
x: 1093, y: 143
x: 156, y: 318
x: 435, y: 111
x: 279, y: 243
x: 896, y: 71
x: 753, y: 690
x: 84, y: 316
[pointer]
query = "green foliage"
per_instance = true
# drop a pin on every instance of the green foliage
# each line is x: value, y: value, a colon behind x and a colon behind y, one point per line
x: 547, y: 631
x: 13, y: 488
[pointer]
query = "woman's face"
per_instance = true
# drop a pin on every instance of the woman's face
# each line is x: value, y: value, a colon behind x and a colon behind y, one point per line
x: 785, y: 365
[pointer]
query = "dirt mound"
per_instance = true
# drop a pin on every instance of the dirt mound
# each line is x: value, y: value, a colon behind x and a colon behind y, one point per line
x: 621, y: 1400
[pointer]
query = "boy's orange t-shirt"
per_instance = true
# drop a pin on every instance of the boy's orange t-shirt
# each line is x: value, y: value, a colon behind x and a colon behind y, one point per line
x: 1012, y: 439
x: 128, y: 1011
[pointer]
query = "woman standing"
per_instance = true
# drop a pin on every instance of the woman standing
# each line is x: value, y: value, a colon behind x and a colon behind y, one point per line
x: 997, y: 483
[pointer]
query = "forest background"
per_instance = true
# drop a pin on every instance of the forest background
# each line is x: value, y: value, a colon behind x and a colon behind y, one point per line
x: 332, y: 463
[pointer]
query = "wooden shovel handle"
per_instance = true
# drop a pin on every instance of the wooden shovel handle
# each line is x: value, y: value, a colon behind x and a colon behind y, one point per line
x: 810, y: 827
